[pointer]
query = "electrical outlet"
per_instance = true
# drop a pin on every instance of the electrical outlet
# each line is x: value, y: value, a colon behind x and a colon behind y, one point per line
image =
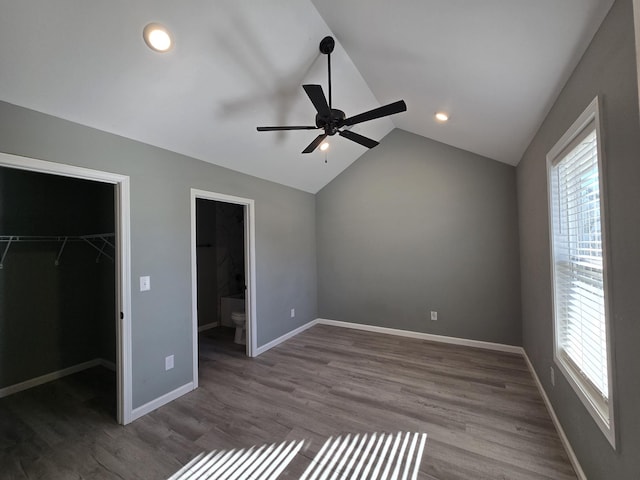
x: 553, y: 376
x: 293, y: 312
x: 434, y: 315
x: 168, y: 362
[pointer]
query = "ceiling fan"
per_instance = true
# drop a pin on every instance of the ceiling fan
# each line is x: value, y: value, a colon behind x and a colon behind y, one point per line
x: 332, y: 120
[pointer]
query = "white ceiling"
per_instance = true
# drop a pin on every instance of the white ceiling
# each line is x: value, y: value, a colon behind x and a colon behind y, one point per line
x: 496, y: 66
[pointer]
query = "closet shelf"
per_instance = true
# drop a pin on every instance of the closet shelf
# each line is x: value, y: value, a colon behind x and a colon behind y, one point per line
x: 104, y: 243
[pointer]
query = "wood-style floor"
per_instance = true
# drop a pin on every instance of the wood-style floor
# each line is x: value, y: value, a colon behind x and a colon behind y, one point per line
x: 482, y: 414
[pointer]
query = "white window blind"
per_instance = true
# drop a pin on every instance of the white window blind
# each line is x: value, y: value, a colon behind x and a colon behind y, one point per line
x: 578, y: 268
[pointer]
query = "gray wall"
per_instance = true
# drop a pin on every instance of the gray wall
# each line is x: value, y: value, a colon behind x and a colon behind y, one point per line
x: 65, y: 313
x: 160, y: 238
x: 415, y: 225
x: 608, y: 69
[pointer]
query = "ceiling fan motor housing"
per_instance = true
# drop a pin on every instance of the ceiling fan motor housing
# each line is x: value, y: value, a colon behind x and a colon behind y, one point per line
x: 331, y: 123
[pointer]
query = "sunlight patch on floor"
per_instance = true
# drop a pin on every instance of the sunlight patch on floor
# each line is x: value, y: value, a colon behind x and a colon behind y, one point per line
x: 368, y: 456
x: 364, y: 456
x: 263, y: 463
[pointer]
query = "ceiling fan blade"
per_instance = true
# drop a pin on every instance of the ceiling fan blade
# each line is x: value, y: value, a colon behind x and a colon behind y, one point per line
x: 291, y: 127
x: 390, y: 109
x: 356, y: 137
x: 313, y: 145
x: 316, y: 95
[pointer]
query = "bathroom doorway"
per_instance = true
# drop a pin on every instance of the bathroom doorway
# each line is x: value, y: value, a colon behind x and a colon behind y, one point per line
x: 222, y: 271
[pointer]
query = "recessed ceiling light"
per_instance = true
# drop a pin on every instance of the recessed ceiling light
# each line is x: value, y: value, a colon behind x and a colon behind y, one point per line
x: 324, y: 146
x: 157, y: 37
x: 442, y: 117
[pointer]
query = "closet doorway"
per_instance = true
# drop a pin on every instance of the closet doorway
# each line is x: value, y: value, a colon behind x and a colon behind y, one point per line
x: 64, y: 259
x: 223, y: 271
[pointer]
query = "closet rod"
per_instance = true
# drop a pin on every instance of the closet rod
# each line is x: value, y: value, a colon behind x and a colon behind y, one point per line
x: 92, y: 240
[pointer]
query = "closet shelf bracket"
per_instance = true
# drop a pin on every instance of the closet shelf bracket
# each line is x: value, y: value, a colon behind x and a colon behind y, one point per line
x: 91, y: 239
x: 64, y: 242
x: 6, y: 249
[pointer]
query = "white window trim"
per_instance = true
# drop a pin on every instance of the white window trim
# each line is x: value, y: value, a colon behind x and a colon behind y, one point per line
x: 590, y: 115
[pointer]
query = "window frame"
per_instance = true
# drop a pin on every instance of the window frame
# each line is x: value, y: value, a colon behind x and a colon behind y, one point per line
x: 583, y: 388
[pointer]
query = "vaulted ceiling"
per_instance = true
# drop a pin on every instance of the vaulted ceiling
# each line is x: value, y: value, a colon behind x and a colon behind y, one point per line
x: 495, y: 66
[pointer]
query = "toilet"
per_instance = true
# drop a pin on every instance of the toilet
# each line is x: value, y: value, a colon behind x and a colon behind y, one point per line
x: 239, y: 320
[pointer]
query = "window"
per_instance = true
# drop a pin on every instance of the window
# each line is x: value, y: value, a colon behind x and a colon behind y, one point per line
x: 581, y: 330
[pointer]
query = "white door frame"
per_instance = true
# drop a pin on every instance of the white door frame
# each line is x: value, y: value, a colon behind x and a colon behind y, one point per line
x: 122, y: 261
x: 636, y: 22
x: 250, y: 269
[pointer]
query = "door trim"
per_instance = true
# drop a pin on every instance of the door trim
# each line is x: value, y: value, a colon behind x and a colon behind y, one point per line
x: 250, y: 269
x: 122, y: 261
x: 636, y: 22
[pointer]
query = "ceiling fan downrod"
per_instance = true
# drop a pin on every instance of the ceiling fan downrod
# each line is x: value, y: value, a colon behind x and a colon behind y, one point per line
x: 327, y: 44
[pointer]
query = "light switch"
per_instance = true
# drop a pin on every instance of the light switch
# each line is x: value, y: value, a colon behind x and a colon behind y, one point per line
x: 145, y: 283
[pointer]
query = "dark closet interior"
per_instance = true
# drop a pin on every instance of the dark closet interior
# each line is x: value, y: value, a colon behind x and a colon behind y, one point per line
x: 57, y: 281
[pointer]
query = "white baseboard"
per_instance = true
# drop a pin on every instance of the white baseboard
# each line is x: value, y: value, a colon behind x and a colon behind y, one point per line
x: 208, y: 326
x: 424, y: 336
x: 49, y: 377
x: 563, y: 437
x: 160, y: 401
x: 286, y: 336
